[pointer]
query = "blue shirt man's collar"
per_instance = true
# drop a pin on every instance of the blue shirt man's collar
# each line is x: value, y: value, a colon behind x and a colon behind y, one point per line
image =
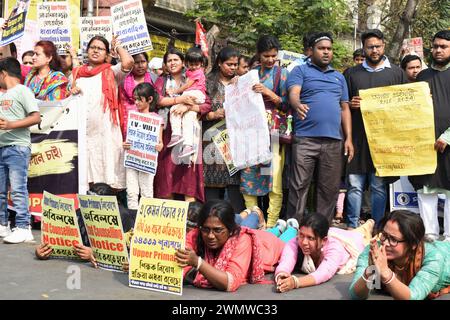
x: 385, y: 64
x: 310, y: 63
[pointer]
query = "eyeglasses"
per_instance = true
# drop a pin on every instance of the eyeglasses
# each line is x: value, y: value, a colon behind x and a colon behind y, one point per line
x: 215, y: 231
x: 28, y: 63
x: 371, y: 48
x: 97, y: 48
x: 391, y: 240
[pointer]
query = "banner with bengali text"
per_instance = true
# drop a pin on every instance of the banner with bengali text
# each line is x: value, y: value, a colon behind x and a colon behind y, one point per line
x: 58, y: 156
x: 60, y: 227
x: 54, y: 24
x: 143, y: 135
x: 101, y: 217
x: 399, y: 123
x: 17, y: 17
x: 160, y: 230
x: 246, y: 117
x: 130, y: 26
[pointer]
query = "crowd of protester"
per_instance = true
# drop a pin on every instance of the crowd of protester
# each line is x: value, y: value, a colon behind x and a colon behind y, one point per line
x: 239, y: 231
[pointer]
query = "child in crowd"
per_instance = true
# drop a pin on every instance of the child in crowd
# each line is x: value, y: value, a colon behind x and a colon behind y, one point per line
x: 243, y: 65
x: 146, y: 98
x: 18, y: 112
x: 183, y: 124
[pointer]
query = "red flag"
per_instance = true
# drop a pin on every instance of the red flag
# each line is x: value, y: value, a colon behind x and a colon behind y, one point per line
x: 200, y: 37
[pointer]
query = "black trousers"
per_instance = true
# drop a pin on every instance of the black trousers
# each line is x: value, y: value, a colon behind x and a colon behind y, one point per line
x: 233, y: 193
x: 323, y: 155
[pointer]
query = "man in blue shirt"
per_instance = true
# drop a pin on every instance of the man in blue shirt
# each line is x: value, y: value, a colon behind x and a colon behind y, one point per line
x: 319, y: 96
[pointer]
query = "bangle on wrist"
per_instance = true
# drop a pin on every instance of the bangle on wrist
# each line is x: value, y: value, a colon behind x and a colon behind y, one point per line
x: 390, y: 280
x: 364, y: 277
x: 276, y: 277
x: 199, y: 263
x: 296, y: 282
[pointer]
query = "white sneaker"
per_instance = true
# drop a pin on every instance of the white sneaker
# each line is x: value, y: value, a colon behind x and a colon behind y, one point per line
x: 431, y: 237
x: 5, y: 231
x: 19, y: 235
x: 281, y: 225
x: 292, y: 222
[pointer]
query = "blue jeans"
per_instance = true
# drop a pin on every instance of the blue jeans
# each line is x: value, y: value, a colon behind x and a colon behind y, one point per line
x: 251, y: 221
x: 355, y: 194
x: 14, y: 162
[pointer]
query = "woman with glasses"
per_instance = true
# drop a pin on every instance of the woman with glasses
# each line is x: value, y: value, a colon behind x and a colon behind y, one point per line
x: 324, y: 251
x: 97, y: 81
x: 45, y: 78
x: 139, y: 74
x: 223, y: 255
x: 402, y: 263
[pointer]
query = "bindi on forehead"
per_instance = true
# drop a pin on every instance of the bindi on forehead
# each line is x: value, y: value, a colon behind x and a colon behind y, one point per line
x: 392, y: 229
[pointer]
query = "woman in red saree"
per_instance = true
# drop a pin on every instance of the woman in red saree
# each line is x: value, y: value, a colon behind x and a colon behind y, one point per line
x: 220, y: 254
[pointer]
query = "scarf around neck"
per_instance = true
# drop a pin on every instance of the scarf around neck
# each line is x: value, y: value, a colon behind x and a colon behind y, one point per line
x: 108, y: 85
x: 129, y: 84
x: 44, y: 89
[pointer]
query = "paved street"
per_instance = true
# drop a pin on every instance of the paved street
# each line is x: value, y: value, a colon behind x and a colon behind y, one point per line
x: 22, y: 276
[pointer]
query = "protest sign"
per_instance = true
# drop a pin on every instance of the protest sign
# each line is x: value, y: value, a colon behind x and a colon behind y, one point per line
x: 414, y: 45
x: 94, y: 26
x: 143, y: 135
x: 32, y: 20
x: 58, y: 157
x: 219, y: 135
x: 160, y: 46
x: 101, y: 217
x: 54, y: 24
x: 130, y: 26
x: 29, y: 39
x: 16, y: 22
x: 246, y: 117
x: 60, y: 227
x: 399, y: 123
x: 159, y: 231
x: 287, y: 57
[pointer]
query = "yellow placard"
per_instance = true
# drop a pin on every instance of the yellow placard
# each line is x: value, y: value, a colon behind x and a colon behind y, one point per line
x: 101, y: 217
x: 399, y: 123
x: 59, y: 226
x: 161, y: 45
x: 159, y: 231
